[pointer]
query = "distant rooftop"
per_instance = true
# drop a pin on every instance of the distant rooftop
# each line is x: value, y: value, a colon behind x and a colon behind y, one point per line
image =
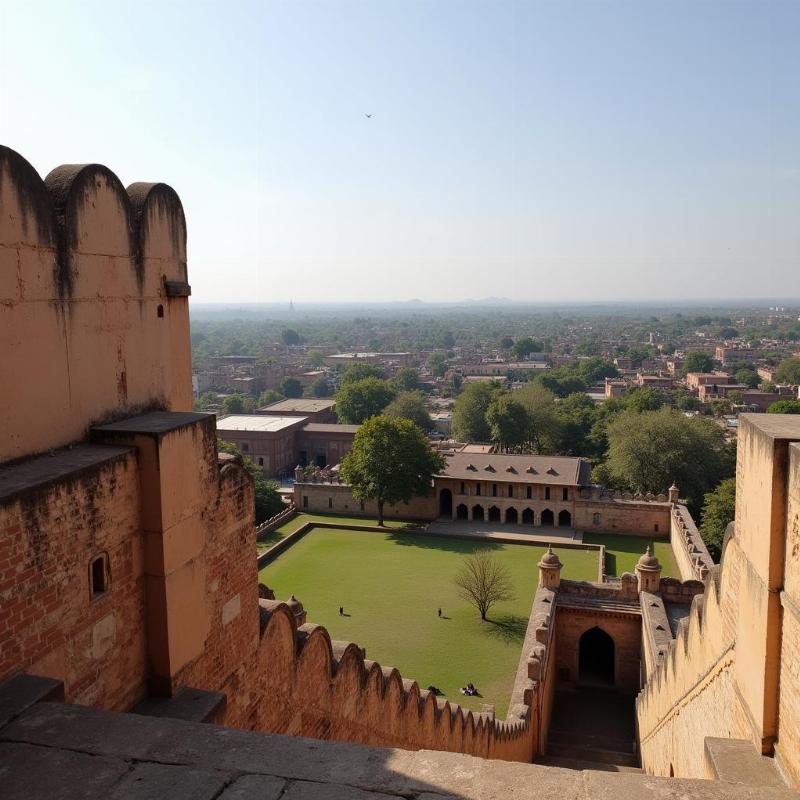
x: 256, y: 422
x: 322, y: 427
x: 299, y: 405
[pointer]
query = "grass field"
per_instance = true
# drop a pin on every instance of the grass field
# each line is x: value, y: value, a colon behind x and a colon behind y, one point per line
x: 300, y: 519
x: 391, y: 585
x: 622, y: 553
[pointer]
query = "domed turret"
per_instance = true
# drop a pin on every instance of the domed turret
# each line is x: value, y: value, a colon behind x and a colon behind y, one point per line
x: 648, y: 571
x: 550, y: 569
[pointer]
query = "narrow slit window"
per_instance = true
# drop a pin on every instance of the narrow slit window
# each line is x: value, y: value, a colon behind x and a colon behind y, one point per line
x: 98, y: 576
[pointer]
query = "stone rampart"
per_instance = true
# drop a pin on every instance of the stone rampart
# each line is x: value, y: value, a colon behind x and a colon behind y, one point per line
x: 691, y: 554
x: 309, y: 685
x: 94, y: 301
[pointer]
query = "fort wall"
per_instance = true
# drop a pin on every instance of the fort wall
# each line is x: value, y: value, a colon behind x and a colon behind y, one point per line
x: 93, y: 296
x: 729, y: 671
x: 316, y: 687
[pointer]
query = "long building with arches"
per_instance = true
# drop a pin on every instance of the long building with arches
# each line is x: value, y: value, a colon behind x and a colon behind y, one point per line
x: 523, y: 490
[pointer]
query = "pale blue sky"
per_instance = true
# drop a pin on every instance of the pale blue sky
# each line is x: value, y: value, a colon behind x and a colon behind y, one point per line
x: 534, y: 150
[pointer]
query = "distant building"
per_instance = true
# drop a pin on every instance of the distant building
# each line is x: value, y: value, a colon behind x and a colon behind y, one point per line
x: 313, y: 409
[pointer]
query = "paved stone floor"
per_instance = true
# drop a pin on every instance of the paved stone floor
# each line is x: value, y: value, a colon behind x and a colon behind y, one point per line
x: 503, y: 532
x: 64, y: 752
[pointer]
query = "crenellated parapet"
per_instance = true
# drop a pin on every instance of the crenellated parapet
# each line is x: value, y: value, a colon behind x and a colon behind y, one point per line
x: 310, y: 685
x: 691, y: 554
x: 94, y: 295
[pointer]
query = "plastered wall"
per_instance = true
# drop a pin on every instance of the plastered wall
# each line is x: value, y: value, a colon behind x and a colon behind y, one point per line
x: 732, y: 669
x: 84, y: 266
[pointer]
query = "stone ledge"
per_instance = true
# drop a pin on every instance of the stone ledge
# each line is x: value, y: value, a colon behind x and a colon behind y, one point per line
x: 738, y: 761
x: 21, y: 691
x: 192, y: 705
x: 102, y: 754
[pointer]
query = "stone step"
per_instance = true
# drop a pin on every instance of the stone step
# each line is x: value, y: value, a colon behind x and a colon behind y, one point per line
x: 579, y: 764
x: 619, y: 744
x: 587, y: 753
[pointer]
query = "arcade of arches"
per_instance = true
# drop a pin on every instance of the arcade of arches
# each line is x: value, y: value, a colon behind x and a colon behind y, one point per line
x: 510, y: 516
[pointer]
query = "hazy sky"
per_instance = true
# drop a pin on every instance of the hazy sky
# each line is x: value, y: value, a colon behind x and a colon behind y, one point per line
x: 533, y: 150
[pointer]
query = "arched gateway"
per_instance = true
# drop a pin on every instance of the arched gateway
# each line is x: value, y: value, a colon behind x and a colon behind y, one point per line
x: 596, y: 658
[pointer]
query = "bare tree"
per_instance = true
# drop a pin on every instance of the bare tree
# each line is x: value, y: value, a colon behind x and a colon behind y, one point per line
x: 484, y: 581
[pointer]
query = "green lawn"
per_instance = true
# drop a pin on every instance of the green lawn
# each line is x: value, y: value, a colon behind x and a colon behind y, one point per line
x: 622, y: 553
x: 391, y: 585
x: 300, y: 519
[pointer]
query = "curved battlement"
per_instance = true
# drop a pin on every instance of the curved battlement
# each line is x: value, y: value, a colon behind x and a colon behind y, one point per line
x: 109, y: 266
x: 313, y: 686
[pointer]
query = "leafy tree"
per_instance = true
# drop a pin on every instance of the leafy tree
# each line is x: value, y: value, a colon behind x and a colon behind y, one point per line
x: 358, y: 372
x: 719, y: 507
x: 785, y: 407
x: 697, y: 361
x: 291, y: 387
x: 233, y: 404
x: 508, y: 421
x: 728, y: 333
x: 268, y: 501
x: 789, y: 371
x: 685, y: 400
x: 321, y: 387
x: 747, y: 376
x: 469, y: 412
x: 390, y: 462
x: 561, y: 381
x: 506, y: 343
x: 768, y: 386
x: 316, y: 358
x: 289, y: 336
x: 644, y: 398
x: 594, y: 370
x: 268, y: 397
x: 648, y: 450
x: 483, y: 581
x: 437, y: 364
x: 523, y: 347
x: 410, y: 405
x: 577, y: 415
x: 406, y: 379
x: 357, y: 401
x: 205, y: 400
x: 544, y: 424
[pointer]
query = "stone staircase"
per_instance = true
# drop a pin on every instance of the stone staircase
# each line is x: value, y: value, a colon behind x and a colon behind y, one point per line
x: 592, y: 729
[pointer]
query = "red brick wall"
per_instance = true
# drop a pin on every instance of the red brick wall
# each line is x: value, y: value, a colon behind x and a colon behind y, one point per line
x: 50, y: 625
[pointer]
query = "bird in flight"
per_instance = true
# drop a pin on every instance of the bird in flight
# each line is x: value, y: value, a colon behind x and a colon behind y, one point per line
x: 368, y: 116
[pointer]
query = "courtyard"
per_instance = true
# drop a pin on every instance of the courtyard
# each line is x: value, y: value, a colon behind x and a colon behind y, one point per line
x: 392, y: 584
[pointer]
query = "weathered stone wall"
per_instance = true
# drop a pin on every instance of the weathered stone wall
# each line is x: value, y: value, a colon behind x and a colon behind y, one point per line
x: 624, y: 628
x: 691, y: 554
x: 337, y: 498
x: 51, y: 529
x: 93, y: 294
x: 787, y: 748
x: 732, y: 669
x: 307, y: 685
x: 640, y: 518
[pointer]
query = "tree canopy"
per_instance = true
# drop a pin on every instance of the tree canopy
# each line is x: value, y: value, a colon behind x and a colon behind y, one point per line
x: 785, y: 407
x: 406, y: 379
x: 524, y: 346
x: 289, y: 336
x: 789, y: 371
x: 647, y: 451
x: 358, y: 372
x: 357, y: 401
x: 410, y: 405
x: 469, y: 412
x: 719, y: 507
x: 390, y: 462
x: 508, y: 421
x: 697, y: 361
x: 291, y: 387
